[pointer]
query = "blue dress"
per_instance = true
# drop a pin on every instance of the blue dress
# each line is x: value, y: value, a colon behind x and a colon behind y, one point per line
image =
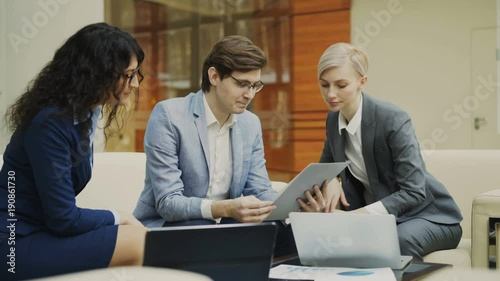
x: 42, y: 231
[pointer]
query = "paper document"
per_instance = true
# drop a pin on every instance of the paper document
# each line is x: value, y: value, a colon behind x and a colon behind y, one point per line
x: 295, y: 272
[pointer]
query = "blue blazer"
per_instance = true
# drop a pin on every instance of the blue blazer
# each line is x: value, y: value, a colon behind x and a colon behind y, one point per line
x: 51, y: 165
x: 395, y: 168
x: 177, y: 167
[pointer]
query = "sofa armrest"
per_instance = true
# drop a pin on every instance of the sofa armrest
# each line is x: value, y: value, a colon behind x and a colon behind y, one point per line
x: 497, y: 244
x: 485, y: 206
x: 278, y: 185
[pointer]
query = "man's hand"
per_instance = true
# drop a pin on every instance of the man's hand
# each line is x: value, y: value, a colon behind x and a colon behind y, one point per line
x: 243, y: 209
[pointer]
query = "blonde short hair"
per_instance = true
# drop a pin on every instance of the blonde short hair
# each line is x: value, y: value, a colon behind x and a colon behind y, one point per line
x: 338, y: 54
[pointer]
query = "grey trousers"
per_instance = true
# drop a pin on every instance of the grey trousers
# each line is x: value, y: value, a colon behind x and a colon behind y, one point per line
x: 419, y: 237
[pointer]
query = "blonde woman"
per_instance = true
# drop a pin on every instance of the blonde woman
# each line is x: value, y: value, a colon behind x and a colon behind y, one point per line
x: 387, y: 174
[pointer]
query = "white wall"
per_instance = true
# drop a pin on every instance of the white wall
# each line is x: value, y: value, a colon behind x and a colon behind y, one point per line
x: 420, y: 60
x: 419, y: 52
x: 34, y: 29
x: 498, y: 65
x: 3, y: 88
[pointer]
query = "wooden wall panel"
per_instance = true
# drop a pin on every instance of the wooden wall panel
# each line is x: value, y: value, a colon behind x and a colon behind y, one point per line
x: 308, y: 134
x: 294, y: 128
x: 315, y: 6
x: 309, y: 42
x: 306, y: 152
x: 315, y: 26
x: 313, y: 115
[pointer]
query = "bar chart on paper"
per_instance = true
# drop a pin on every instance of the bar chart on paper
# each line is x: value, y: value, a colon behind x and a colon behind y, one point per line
x: 301, y: 273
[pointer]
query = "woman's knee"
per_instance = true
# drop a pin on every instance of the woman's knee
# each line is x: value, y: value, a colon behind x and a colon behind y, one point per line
x: 129, y: 248
x: 410, y: 246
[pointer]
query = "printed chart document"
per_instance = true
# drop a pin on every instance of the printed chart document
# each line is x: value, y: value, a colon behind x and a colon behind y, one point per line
x: 295, y: 272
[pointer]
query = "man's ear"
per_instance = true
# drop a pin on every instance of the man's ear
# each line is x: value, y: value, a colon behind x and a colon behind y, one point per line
x: 362, y: 82
x: 213, y: 76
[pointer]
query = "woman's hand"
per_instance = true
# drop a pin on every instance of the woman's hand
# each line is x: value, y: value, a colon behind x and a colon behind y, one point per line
x: 332, y: 193
x: 128, y: 219
x: 316, y: 203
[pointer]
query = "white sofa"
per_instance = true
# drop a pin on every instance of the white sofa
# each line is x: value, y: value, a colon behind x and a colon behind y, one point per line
x: 471, y: 176
x: 118, y: 180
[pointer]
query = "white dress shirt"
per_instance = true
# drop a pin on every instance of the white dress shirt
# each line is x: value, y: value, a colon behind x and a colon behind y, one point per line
x: 221, y: 160
x: 353, y: 152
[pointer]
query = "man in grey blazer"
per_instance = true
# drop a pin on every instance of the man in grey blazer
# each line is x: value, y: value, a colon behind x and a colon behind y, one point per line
x: 205, y: 155
x: 387, y: 174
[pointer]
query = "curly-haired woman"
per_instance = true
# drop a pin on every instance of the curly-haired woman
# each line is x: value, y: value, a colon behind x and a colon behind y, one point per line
x: 49, y: 161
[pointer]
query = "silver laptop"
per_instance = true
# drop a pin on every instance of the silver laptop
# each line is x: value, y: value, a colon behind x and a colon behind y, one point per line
x: 347, y: 240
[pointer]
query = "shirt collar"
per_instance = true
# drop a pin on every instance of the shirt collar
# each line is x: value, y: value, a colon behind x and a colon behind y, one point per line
x: 210, y: 117
x: 355, y: 123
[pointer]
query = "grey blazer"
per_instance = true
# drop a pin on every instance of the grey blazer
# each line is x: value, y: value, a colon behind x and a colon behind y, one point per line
x: 395, y: 168
x: 177, y: 161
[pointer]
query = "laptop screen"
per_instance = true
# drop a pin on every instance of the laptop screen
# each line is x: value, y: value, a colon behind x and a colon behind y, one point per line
x: 222, y: 252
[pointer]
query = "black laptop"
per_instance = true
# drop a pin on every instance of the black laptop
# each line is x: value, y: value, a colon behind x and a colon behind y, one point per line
x: 223, y: 252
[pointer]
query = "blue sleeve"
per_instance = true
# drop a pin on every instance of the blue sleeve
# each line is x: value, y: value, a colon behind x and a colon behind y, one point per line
x: 48, y: 146
x: 162, y: 160
x: 258, y: 182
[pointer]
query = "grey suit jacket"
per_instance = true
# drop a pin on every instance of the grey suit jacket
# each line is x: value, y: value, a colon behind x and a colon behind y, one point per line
x: 177, y: 165
x: 395, y: 168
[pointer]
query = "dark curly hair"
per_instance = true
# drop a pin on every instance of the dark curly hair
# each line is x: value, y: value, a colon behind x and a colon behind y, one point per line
x: 232, y: 53
x: 84, y: 73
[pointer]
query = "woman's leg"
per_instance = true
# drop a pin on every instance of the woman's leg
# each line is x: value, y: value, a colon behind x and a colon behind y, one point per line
x: 419, y: 237
x: 43, y: 254
x: 129, y: 248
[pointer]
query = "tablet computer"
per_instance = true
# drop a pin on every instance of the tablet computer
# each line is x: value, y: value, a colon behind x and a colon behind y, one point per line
x: 314, y: 173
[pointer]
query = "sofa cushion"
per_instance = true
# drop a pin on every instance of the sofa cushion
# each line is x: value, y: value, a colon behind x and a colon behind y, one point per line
x: 458, y: 258
x: 117, y: 181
